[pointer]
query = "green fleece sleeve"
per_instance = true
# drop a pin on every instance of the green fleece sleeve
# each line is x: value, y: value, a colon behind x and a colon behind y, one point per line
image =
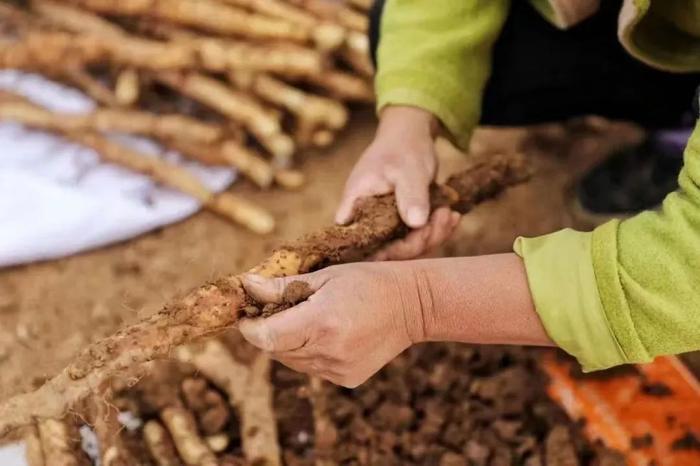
x: 628, y: 291
x: 436, y: 55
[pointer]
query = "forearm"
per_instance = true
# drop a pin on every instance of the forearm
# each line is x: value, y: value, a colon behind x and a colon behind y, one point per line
x: 482, y: 299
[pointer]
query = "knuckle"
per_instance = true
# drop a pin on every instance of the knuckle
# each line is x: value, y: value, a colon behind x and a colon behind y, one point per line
x: 340, y: 349
x: 328, y: 327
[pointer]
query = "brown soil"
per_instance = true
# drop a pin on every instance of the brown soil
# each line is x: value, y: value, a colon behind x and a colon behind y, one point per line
x: 689, y: 441
x: 296, y: 292
x: 455, y: 404
x: 642, y: 441
x: 657, y: 389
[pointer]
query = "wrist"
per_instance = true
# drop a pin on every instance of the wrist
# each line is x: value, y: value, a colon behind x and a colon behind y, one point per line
x: 417, y: 306
x: 480, y: 299
x: 409, y: 120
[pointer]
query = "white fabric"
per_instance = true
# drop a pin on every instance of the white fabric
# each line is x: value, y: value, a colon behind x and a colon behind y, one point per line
x: 13, y: 455
x: 57, y: 198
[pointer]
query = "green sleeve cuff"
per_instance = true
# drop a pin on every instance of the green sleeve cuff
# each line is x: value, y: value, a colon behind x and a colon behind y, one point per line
x: 605, y: 254
x: 564, y: 289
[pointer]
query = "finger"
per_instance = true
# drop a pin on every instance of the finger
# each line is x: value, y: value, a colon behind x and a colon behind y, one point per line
x: 271, y: 290
x: 285, y: 331
x: 413, y: 245
x: 412, y: 198
x: 442, y: 226
x: 299, y: 365
x: 357, y: 187
x: 309, y: 366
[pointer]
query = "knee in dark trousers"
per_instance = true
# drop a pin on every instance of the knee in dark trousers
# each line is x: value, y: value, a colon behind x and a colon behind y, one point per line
x: 543, y: 74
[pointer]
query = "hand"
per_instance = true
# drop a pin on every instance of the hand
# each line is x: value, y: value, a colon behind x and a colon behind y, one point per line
x: 363, y: 315
x: 360, y: 317
x: 402, y: 159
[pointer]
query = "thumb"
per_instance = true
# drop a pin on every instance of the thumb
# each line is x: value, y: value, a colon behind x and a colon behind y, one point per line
x: 284, y: 331
x: 264, y: 290
x: 271, y: 290
x: 413, y: 198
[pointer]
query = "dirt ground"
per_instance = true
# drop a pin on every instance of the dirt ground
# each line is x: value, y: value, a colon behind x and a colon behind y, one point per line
x: 49, y: 311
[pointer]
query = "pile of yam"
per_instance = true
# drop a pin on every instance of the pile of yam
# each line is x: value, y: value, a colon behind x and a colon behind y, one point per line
x: 248, y: 84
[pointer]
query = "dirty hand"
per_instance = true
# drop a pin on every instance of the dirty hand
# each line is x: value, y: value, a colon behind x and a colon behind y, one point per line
x: 401, y: 159
x: 362, y: 315
x: 359, y: 318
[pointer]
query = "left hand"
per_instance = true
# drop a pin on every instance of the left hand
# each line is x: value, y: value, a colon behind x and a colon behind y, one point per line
x: 359, y: 318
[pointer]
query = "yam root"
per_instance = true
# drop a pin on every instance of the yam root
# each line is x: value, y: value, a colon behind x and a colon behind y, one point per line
x: 60, y: 441
x: 224, y: 54
x: 236, y: 105
x: 194, y: 50
x: 216, y: 307
x: 113, y: 452
x: 227, y: 205
x: 337, y: 13
x: 363, y: 5
x: 189, y: 444
x: 34, y: 453
x: 250, y: 393
x: 325, y: 433
x: 81, y: 79
x: 52, y: 50
x: 218, y: 442
x: 289, y: 179
x: 162, y: 127
x: 208, y: 405
x: 160, y: 444
x: 314, y: 109
x: 88, y: 39
x: 74, y: 19
x: 343, y: 85
x: 230, y: 153
x: 127, y: 88
x: 327, y: 35
x: 355, y: 53
x: 207, y: 15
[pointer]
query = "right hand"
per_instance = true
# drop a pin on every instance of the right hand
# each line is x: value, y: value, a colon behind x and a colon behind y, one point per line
x: 402, y: 159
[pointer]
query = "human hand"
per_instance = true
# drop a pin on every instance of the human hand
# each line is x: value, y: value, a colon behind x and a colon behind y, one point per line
x: 402, y: 159
x: 359, y: 318
x: 362, y: 315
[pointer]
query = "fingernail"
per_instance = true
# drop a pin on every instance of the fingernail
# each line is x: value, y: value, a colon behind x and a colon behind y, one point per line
x: 456, y: 216
x: 416, y: 217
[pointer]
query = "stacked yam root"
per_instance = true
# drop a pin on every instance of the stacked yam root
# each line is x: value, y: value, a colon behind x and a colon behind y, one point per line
x: 216, y: 307
x: 240, y: 83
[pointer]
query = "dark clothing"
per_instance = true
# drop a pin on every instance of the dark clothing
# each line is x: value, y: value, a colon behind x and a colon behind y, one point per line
x: 543, y: 74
